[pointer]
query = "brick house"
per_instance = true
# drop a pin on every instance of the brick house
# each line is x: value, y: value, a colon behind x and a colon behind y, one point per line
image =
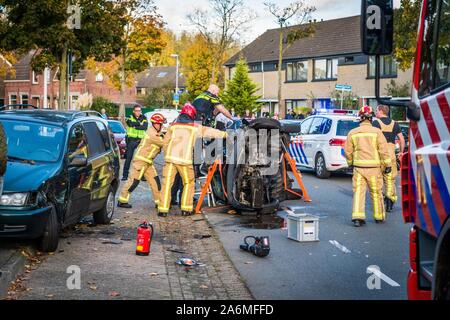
x: 27, y: 87
x: 313, y: 67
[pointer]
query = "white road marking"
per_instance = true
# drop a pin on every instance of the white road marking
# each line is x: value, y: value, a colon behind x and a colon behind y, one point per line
x: 340, y: 246
x: 382, y: 276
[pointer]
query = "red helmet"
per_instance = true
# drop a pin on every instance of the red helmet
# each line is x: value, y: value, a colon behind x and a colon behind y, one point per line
x: 158, y: 118
x: 366, y: 112
x: 189, y: 110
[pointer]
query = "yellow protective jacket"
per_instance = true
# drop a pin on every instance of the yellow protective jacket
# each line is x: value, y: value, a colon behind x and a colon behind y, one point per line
x: 366, y: 147
x: 150, y: 146
x: 179, y: 141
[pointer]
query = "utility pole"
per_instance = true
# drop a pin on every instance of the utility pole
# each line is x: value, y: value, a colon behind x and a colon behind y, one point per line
x: 177, y: 89
x: 46, y: 71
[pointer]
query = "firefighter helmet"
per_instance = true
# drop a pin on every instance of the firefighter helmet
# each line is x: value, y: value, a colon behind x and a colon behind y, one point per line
x: 189, y: 110
x: 366, y: 113
x: 158, y: 118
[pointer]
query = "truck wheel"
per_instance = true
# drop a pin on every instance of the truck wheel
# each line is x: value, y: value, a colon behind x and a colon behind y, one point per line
x: 104, y: 216
x: 50, y: 239
x: 321, y: 168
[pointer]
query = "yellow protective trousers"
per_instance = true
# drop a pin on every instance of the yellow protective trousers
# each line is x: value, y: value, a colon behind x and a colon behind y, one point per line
x: 188, y: 177
x: 372, y: 179
x: 390, y: 178
x: 142, y: 169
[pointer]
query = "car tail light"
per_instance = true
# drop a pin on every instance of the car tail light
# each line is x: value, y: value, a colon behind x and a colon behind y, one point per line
x: 337, y: 142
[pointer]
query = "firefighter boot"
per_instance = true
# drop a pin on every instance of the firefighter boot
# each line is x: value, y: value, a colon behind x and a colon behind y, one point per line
x: 358, y: 223
x: 186, y: 213
x: 124, y: 205
x: 162, y: 214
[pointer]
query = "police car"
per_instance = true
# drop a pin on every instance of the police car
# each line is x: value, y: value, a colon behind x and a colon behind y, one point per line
x: 320, y: 145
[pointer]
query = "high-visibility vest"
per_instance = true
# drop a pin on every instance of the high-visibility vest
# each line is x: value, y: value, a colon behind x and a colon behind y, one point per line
x: 135, y: 133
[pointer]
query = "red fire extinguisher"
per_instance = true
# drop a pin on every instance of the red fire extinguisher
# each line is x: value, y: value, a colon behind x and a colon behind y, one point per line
x: 144, y: 238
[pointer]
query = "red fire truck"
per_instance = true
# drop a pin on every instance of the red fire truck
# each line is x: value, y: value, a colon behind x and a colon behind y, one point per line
x: 425, y: 172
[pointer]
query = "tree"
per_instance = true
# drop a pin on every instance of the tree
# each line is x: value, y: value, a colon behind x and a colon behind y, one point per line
x: 99, y: 103
x: 221, y: 26
x: 240, y: 93
x: 289, y: 36
x: 42, y: 25
x: 197, y: 64
x: 406, y: 19
x: 140, y: 39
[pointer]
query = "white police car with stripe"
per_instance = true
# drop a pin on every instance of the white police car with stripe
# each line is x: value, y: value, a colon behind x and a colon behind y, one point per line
x: 320, y: 146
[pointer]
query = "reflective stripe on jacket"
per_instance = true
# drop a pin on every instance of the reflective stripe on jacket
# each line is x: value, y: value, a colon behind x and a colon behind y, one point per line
x: 132, y: 131
x: 180, y: 139
x: 150, y: 146
x: 367, y: 147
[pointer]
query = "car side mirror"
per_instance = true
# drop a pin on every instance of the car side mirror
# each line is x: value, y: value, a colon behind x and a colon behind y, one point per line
x: 377, y: 27
x: 78, y: 161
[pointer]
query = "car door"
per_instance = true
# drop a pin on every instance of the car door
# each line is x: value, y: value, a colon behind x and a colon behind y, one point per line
x: 100, y: 160
x: 313, y: 140
x: 299, y: 150
x: 79, y: 195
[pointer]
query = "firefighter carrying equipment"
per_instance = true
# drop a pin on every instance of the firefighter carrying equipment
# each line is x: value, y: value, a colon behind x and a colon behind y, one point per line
x: 366, y: 150
x: 390, y: 131
x: 179, y: 145
x: 143, y: 166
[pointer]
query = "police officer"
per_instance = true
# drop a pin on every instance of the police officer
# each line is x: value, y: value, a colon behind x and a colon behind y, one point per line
x: 137, y: 126
x: 3, y: 156
x: 206, y: 103
x: 143, y: 166
x: 367, y: 152
x: 179, y: 145
x: 391, y: 130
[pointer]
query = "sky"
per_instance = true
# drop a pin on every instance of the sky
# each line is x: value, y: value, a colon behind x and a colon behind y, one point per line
x: 174, y: 13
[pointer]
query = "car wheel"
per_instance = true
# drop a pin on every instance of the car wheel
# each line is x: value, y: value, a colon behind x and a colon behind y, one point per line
x: 104, y: 216
x: 50, y: 239
x: 321, y: 168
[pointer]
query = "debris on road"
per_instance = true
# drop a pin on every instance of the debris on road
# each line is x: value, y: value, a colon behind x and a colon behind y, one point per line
x: 188, y: 262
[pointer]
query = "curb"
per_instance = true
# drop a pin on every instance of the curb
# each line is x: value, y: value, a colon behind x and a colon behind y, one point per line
x: 12, y: 268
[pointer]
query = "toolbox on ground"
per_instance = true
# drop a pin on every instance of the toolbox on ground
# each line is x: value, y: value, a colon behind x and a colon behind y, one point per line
x: 303, y: 227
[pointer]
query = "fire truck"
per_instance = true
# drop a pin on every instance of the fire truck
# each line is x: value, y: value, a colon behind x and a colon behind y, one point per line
x: 425, y: 168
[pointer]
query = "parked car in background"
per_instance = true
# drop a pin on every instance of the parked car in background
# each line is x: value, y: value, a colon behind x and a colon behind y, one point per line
x: 120, y: 134
x: 61, y: 166
x: 320, y: 145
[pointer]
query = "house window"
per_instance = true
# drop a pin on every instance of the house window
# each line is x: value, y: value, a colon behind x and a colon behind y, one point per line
x: 2, y: 102
x: 326, y: 69
x: 388, y: 67
x: 297, y: 71
x: 35, y: 78
x: 294, y: 104
x: 99, y: 77
x: 24, y: 98
x: 141, y: 91
x: 13, y: 99
x: 256, y: 67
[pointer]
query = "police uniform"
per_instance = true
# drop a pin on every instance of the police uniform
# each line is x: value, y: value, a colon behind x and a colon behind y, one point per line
x: 366, y: 150
x: 135, y: 133
x: 143, y: 166
x: 205, y: 104
x: 391, y: 130
x: 178, y: 150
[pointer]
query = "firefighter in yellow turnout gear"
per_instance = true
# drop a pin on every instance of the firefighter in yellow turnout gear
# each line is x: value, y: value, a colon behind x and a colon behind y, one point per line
x: 179, y: 145
x: 367, y: 152
x: 147, y: 151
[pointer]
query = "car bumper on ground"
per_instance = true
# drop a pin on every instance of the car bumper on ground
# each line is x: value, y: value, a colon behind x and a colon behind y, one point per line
x: 26, y: 224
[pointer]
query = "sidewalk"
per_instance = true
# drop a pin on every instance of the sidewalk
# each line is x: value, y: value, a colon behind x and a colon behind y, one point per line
x: 113, y: 271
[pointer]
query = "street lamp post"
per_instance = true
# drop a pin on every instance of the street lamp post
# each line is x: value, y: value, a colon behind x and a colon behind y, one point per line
x: 177, y: 89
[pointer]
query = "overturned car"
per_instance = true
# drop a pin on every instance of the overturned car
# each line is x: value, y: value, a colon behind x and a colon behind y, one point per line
x: 254, y: 176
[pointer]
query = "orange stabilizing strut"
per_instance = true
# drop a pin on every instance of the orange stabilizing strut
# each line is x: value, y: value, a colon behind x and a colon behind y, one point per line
x: 211, y: 171
x: 297, y: 175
